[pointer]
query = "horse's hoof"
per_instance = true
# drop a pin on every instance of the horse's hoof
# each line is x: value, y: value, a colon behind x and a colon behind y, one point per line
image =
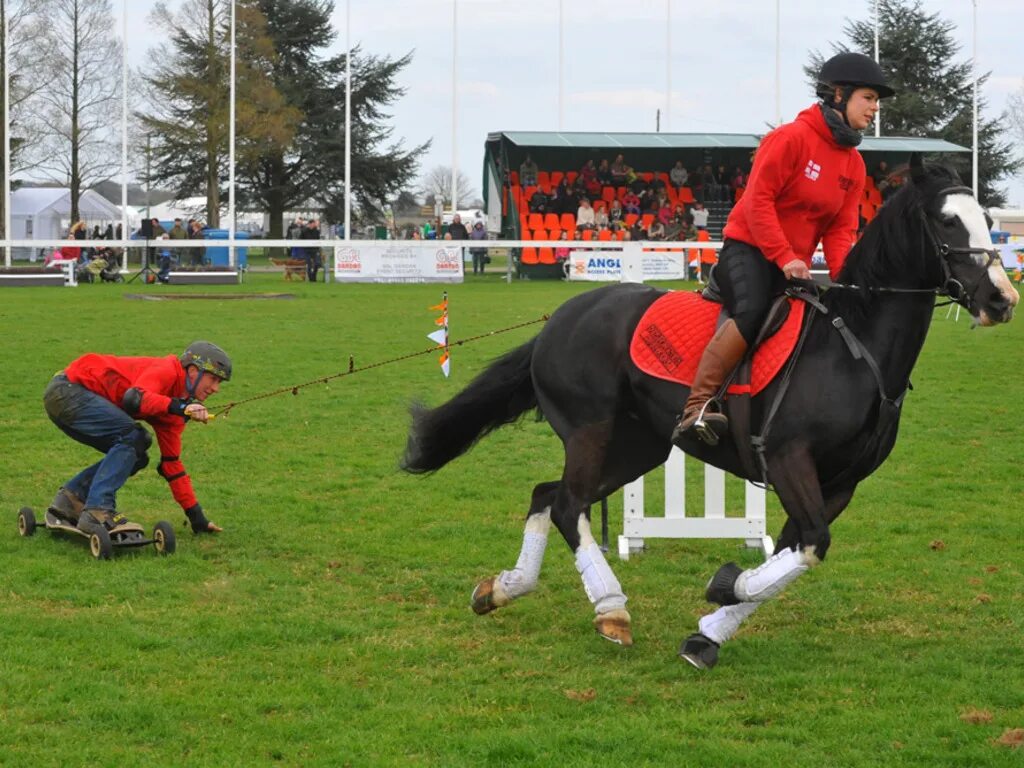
x: 721, y: 587
x: 700, y: 651
x: 487, y: 597
x: 615, y: 626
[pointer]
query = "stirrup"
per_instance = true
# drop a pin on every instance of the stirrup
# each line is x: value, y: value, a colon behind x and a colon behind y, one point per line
x: 710, y: 427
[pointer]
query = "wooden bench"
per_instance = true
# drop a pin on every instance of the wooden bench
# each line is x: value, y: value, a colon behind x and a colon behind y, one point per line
x: 292, y: 267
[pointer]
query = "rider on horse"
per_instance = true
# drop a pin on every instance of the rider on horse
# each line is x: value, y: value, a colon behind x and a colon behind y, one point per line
x: 805, y: 187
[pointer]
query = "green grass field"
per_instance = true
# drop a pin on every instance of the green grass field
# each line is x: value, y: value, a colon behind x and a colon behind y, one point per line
x: 329, y: 624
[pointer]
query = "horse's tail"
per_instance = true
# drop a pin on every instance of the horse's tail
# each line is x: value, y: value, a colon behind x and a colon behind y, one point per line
x: 498, y: 396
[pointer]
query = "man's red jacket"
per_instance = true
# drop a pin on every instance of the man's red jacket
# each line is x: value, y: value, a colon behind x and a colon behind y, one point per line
x: 804, y: 188
x: 159, y: 379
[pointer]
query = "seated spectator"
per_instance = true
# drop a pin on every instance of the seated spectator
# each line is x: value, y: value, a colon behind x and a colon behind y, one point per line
x: 637, y: 231
x: 648, y: 202
x: 678, y: 174
x: 585, y: 218
x: 633, y: 178
x: 631, y: 203
x: 656, y: 231
x: 528, y: 172
x: 677, y: 224
x: 616, y: 214
x: 700, y: 215
x: 570, y: 201
x: 618, y: 171
x: 588, y: 176
x: 601, y: 219
x: 539, y: 202
x: 880, y: 174
x: 604, y: 174
x: 709, y: 183
x: 665, y: 213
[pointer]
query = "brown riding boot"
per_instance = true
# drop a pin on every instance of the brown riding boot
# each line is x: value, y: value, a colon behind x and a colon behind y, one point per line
x: 722, y: 354
x: 67, y: 506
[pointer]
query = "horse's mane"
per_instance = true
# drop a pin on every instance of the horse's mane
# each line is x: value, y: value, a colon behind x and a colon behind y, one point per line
x: 892, y: 251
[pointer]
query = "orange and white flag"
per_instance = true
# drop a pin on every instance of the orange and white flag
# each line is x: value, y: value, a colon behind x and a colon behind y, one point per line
x: 440, y: 336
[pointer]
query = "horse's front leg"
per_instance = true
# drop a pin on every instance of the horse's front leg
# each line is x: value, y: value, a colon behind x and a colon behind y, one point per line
x: 502, y: 589
x: 740, y: 592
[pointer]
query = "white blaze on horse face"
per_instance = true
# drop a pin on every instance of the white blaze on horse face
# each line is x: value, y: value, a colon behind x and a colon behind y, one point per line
x: 966, y: 208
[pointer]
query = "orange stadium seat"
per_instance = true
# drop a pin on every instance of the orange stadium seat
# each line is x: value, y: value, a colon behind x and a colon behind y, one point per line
x: 547, y: 255
x: 646, y: 220
x: 686, y: 195
x: 608, y: 193
x: 570, y: 176
x: 647, y: 176
x: 631, y: 219
x: 543, y: 179
x: 513, y: 176
x: 536, y: 221
x: 604, y: 235
x: 620, y: 234
x: 739, y: 194
x: 528, y: 256
x: 551, y: 221
x: 600, y: 205
x: 523, y: 224
x: 567, y: 222
x: 540, y: 234
x: 556, y: 177
x: 555, y: 234
x: 588, y: 234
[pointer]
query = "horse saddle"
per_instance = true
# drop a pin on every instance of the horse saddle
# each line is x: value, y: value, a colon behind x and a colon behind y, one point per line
x: 671, y: 335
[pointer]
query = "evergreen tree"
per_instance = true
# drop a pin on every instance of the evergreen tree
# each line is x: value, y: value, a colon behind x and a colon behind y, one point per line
x: 188, y: 92
x: 934, y: 95
x: 309, y: 172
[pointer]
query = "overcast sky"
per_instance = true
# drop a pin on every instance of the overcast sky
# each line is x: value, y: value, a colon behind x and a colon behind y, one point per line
x: 615, y: 73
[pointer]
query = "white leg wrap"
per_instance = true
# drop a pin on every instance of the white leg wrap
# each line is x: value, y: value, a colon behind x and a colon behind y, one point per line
x: 523, y: 578
x: 771, y: 577
x: 723, y: 623
x: 600, y: 583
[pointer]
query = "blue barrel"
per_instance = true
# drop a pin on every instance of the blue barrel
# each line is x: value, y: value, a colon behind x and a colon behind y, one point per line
x: 218, y: 257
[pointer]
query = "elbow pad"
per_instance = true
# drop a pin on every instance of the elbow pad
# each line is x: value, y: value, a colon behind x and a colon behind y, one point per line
x: 131, y: 403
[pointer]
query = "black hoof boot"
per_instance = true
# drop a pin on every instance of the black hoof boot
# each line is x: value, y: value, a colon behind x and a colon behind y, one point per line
x: 720, y: 588
x: 700, y: 651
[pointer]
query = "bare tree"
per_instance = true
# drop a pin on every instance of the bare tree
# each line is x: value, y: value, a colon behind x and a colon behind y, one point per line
x: 1015, y: 111
x: 80, y: 103
x: 438, y: 184
x: 25, y: 23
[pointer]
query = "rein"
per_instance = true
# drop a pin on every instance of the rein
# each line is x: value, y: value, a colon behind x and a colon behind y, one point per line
x: 954, y: 289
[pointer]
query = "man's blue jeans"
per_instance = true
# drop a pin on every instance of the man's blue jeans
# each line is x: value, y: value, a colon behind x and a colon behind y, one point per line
x: 95, y: 421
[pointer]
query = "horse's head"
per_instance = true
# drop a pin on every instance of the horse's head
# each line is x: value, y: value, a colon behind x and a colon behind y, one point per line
x: 958, y: 229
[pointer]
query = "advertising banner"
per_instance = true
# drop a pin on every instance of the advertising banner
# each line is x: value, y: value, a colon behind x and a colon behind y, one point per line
x: 607, y: 265
x: 398, y: 262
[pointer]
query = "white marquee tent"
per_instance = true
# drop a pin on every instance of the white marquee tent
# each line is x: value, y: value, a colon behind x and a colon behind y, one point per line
x: 44, y: 213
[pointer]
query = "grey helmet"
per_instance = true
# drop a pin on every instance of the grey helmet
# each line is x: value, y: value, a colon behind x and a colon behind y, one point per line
x: 209, y: 358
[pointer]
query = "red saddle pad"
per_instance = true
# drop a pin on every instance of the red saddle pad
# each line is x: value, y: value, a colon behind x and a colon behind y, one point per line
x: 670, y: 337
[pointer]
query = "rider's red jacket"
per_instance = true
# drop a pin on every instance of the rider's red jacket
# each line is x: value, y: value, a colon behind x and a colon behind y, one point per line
x: 804, y: 188
x: 159, y: 379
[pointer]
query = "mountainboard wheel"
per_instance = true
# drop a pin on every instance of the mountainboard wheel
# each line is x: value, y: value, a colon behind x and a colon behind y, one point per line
x: 100, y: 544
x: 163, y: 538
x: 26, y: 521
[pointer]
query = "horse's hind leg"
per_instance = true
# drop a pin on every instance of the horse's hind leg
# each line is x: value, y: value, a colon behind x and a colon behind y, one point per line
x: 502, y: 589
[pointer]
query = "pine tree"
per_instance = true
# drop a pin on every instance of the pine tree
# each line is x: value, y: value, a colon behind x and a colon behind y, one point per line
x: 934, y: 95
x: 310, y: 170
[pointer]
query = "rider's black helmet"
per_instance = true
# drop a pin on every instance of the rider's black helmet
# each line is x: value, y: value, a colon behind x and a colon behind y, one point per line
x: 207, y: 357
x: 852, y: 69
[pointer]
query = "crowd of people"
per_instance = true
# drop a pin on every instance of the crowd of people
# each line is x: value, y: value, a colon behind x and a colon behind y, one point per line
x: 671, y: 217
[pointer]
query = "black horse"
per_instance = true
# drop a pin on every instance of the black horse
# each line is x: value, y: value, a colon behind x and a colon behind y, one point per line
x: 835, y: 425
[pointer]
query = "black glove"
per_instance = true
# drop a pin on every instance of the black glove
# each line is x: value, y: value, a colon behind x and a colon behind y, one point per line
x: 177, y: 407
x: 197, y: 519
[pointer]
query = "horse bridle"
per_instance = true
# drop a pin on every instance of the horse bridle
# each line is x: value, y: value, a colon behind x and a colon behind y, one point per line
x: 955, y: 289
